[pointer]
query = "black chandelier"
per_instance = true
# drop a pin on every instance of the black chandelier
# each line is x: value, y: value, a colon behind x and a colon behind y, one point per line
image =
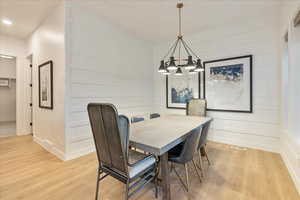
x: 178, y: 64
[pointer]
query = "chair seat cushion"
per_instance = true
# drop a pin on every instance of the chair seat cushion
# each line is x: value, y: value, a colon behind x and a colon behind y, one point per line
x: 141, y: 162
x: 135, y: 156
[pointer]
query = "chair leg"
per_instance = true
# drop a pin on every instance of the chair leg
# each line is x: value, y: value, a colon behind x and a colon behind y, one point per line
x: 156, y: 182
x: 200, y: 163
x: 98, y: 182
x: 187, y: 180
x: 194, y: 164
x: 206, y: 155
x: 181, y: 181
x: 172, y: 167
x: 156, y: 188
x: 126, y: 190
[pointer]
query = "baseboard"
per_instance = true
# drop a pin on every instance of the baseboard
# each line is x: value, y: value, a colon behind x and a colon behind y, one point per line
x: 82, y: 152
x: 49, y: 147
x: 290, y: 153
x: 270, y: 144
x: 26, y: 133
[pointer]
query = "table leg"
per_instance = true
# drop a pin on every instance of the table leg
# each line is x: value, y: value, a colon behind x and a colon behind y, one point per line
x: 165, y: 176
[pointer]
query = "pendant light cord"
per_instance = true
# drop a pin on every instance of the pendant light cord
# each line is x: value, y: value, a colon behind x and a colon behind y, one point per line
x: 180, y: 40
x: 179, y: 24
x: 179, y: 53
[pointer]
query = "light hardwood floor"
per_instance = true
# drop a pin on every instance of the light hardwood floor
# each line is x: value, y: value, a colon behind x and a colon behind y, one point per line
x: 27, y: 171
x: 7, y: 129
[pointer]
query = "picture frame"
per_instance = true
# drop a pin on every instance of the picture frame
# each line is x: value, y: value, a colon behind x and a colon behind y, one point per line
x: 46, y: 85
x: 188, y: 87
x: 227, y: 84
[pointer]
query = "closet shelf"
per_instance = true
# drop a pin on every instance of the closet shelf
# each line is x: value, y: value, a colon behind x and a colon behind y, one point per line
x: 12, y: 78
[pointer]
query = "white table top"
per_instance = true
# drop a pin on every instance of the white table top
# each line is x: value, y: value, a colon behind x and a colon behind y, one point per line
x: 159, y: 135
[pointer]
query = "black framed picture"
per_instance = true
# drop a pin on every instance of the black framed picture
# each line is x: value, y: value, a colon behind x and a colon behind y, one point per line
x: 181, y: 89
x: 46, y: 85
x: 227, y: 84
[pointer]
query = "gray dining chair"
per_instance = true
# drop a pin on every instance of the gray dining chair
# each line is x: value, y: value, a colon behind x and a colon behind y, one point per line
x: 137, y: 119
x: 202, y: 146
x: 154, y: 115
x: 184, y: 154
x: 111, y: 137
x: 196, y: 107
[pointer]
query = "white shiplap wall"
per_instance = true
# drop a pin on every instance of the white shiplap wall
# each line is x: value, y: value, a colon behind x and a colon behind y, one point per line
x: 290, y: 140
x: 106, y: 64
x: 46, y: 43
x: 260, y: 129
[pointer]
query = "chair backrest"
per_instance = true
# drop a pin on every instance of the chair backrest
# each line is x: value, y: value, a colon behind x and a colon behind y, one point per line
x: 105, y: 126
x: 154, y: 115
x: 137, y: 119
x: 204, y: 133
x: 196, y: 107
x: 190, y: 146
x: 124, y: 133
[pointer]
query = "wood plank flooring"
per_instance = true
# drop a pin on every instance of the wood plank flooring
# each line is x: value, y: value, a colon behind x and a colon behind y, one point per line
x: 7, y: 128
x: 27, y: 171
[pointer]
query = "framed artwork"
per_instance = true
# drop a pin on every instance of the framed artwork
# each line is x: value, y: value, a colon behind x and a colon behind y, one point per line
x: 46, y: 85
x: 181, y: 89
x: 228, y: 84
x: 4, y: 82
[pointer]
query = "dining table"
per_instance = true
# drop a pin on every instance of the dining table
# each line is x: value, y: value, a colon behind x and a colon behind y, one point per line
x: 157, y: 136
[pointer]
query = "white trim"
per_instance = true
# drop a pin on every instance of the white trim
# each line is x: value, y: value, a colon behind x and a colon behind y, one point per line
x: 50, y: 147
x: 264, y: 143
x: 291, y: 158
x: 81, y: 152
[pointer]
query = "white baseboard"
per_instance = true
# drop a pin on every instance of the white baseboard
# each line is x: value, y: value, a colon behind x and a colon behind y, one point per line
x: 82, y: 152
x: 49, y: 147
x: 21, y: 134
x: 290, y: 153
x: 245, y: 140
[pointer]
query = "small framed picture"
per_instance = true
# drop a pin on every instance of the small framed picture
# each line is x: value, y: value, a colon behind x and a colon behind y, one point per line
x: 4, y: 82
x: 46, y: 85
x: 181, y: 89
x: 228, y: 84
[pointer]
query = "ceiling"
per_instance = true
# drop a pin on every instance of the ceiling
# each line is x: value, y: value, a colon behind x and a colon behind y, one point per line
x: 150, y: 19
x: 158, y: 19
x: 26, y: 15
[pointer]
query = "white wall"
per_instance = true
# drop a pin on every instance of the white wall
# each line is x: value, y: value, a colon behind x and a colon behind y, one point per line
x: 106, y: 64
x: 16, y: 47
x: 8, y: 94
x: 48, y: 43
x: 8, y: 68
x: 290, y: 140
x: 259, y: 38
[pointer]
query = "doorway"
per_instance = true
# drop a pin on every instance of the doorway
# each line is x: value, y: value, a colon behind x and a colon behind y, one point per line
x: 30, y: 93
x: 8, y: 95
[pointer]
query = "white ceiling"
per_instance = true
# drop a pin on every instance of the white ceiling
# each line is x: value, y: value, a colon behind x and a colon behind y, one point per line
x: 150, y: 19
x: 158, y: 19
x: 26, y: 15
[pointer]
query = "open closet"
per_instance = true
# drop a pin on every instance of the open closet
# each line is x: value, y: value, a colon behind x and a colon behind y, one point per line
x: 7, y: 96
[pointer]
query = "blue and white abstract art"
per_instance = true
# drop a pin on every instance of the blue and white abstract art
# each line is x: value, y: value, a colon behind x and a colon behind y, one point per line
x: 228, y: 84
x: 181, y: 89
